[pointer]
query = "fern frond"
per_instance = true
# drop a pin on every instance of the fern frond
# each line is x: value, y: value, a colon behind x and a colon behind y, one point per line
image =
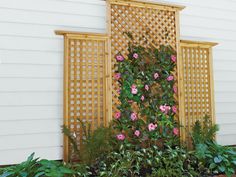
x: 205, y: 132
x: 71, y: 138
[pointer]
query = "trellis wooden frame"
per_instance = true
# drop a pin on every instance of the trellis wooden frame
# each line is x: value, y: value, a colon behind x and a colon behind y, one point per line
x: 96, y: 39
x: 198, y: 84
x: 164, y: 19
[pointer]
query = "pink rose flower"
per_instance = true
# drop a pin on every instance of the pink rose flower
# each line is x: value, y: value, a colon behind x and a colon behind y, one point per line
x: 117, y: 76
x: 175, y: 89
x: 119, y: 58
x: 134, y: 89
x: 142, y: 98
x: 176, y: 131
x: 165, y: 109
x: 135, y: 55
x: 156, y: 75
x: 168, y: 108
x: 173, y: 58
x: 137, y: 133
x: 134, y: 116
x: 120, y: 137
x: 146, y: 87
x: 170, y: 78
x: 162, y: 108
x: 117, y: 115
x: 152, y: 126
x: 174, y: 109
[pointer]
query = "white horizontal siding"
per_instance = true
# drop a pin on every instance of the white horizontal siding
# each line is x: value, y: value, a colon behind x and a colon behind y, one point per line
x: 14, y: 142
x: 25, y: 84
x: 31, y: 57
x: 30, y: 71
x: 38, y: 30
x: 30, y: 127
x: 31, y: 67
x: 30, y: 112
x: 30, y: 98
x: 11, y: 156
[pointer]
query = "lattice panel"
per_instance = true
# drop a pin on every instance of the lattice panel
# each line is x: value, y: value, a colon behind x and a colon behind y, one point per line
x: 86, y: 78
x: 197, y: 84
x: 150, y: 24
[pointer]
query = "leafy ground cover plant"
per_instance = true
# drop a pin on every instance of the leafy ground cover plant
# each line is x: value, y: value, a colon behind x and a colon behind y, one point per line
x: 150, y: 161
x: 33, y: 167
x: 218, y: 159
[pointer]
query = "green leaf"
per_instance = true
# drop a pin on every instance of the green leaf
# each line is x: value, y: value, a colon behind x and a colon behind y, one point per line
x: 40, y: 174
x: 6, y: 174
x: 212, y: 165
x: 234, y: 161
x: 218, y: 159
x: 222, y: 168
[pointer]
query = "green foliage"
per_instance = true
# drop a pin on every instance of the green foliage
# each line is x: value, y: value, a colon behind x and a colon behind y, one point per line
x: 151, y: 161
x: 221, y: 159
x: 94, y: 145
x: 53, y: 169
x: 71, y: 138
x: 98, y: 144
x: 205, y: 132
x: 82, y: 170
x: 147, y: 70
x: 24, y: 169
x: 37, y: 168
x: 218, y: 159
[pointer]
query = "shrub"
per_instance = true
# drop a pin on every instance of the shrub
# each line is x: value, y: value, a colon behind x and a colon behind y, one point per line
x: 151, y: 161
x: 218, y: 159
x: 94, y: 144
x: 204, y: 132
x: 27, y: 168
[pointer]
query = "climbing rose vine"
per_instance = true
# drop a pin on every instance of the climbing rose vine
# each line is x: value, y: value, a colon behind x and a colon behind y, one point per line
x: 147, y: 88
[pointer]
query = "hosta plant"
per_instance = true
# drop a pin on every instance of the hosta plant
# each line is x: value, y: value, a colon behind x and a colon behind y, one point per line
x: 218, y: 159
x: 33, y: 167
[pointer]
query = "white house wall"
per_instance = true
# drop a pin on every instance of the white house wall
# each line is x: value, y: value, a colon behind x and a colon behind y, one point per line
x: 31, y: 67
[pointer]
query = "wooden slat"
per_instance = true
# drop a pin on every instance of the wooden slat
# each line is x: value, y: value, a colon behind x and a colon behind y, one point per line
x: 93, y: 87
x: 66, y: 99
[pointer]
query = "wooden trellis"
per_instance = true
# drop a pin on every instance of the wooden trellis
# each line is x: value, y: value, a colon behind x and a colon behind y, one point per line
x: 87, y: 85
x: 151, y: 24
x: 198, y: 87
